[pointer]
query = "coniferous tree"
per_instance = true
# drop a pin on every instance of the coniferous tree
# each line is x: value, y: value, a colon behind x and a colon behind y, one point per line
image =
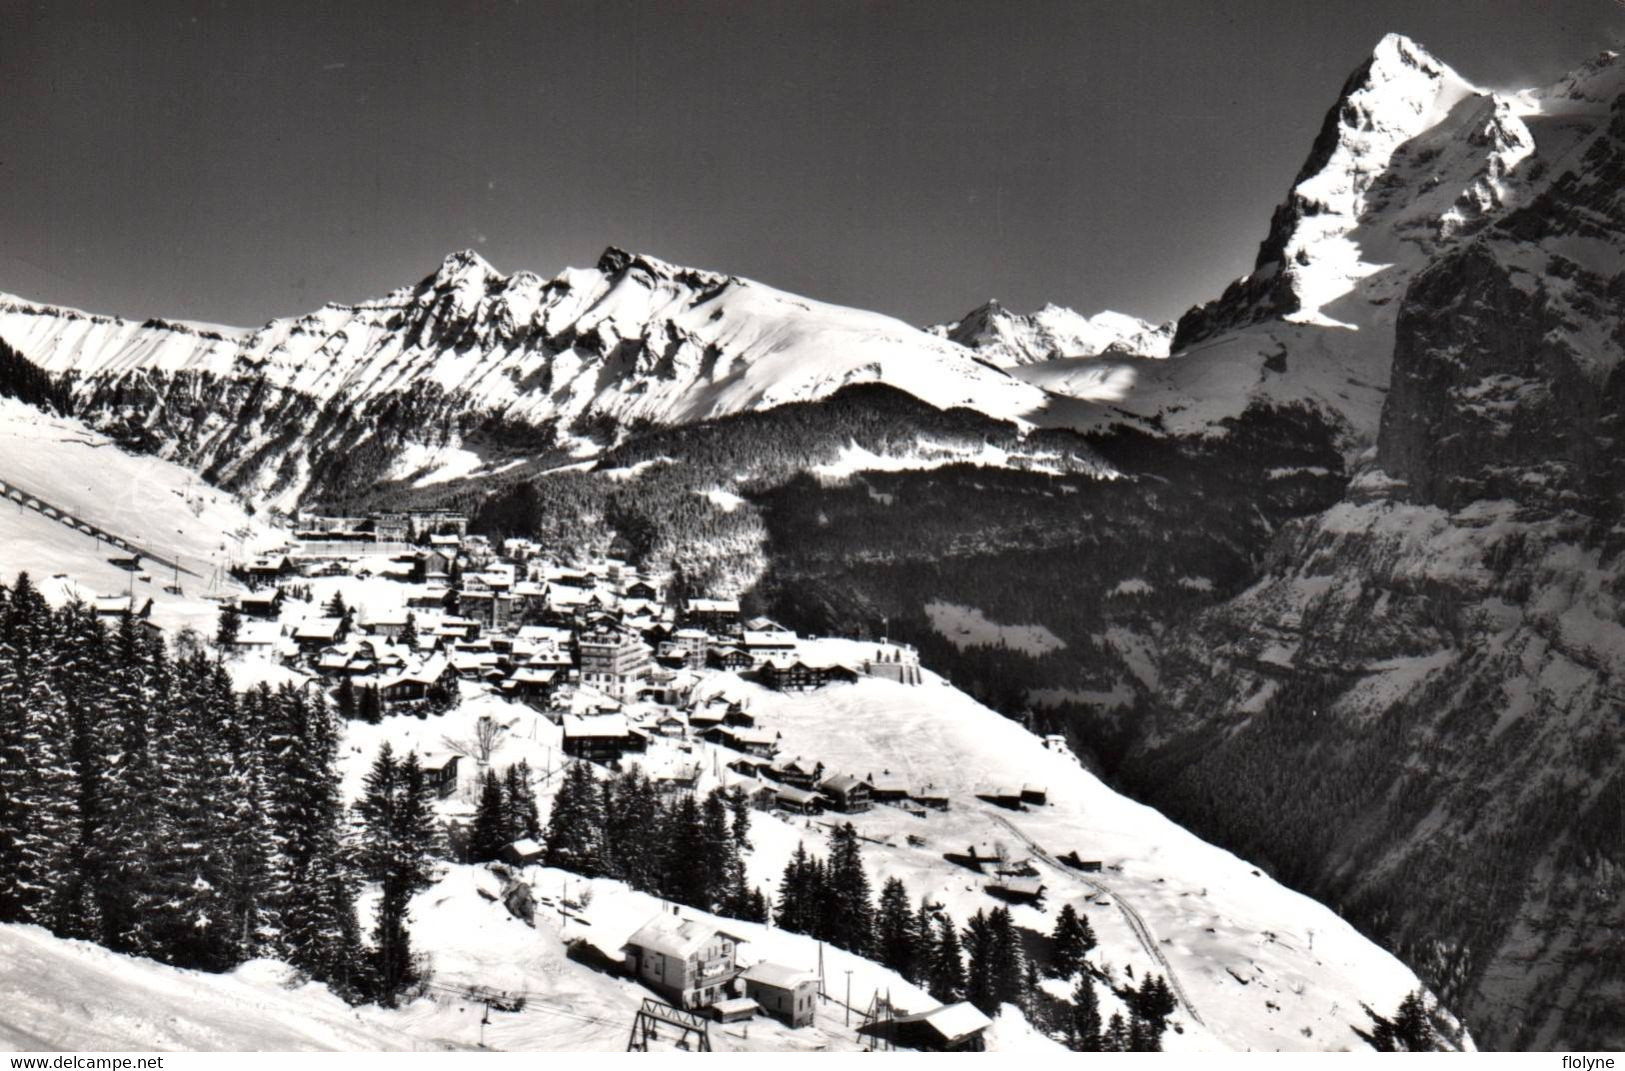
x: 924, y: 936
x: 369, y: 705
x: 631, y: 812
x: 246, y: 834
x: 1142, y: 1036
x: 895, y: 934
x: 1116, y: 1038
x: 686, y: 874
x: 344, y: 700
x: 37, y: 801
x: 78, y: 672
x: 739, y: 808
x: 979, y: 955
x: 1073, y: 939
x: 409, y: 634
x: 519, y: 800
x: 190, y: 915
x: 1008, y: 970
x: 850, y: 906
x: 724, y: 869
x: 491, y: 830
x: 574, y: 836
x: 797, y: 907
x: 1083, y: 1021
x: 947, y: 978
x: 138, y: 676
x: 231, y: 623
x: 315, y: 905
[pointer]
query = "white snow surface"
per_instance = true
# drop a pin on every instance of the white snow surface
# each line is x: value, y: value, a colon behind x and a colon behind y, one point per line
x: 1010, y: 339
x: 637, y: 338
x: 154, y: 503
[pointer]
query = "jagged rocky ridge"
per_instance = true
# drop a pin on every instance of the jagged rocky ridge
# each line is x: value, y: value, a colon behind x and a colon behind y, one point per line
x: 349, y: 395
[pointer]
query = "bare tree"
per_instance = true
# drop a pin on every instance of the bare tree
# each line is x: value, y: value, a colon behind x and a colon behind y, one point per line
x: 487, y: 738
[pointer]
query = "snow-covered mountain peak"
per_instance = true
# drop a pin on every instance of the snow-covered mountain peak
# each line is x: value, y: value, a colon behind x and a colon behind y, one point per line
x: 1009, y: 339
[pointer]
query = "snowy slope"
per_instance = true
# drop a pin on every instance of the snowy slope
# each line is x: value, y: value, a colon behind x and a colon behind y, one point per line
x: 151, y: 502
x: 1009, y: 339
x: 65, y: 995
x: 1262, y: 966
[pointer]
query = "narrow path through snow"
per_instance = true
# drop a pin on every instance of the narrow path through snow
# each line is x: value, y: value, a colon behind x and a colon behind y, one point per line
x: 1141, y: 931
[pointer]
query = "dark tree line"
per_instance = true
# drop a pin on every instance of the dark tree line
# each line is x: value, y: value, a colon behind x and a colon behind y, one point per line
x: 26, y: 381
x: 149, y: 807
x: 678, y: 847
x: 506, y: 812
x: 829, y: 898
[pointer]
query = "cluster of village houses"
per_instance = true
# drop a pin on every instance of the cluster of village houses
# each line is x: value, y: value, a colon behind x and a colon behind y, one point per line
x: 601, y: 650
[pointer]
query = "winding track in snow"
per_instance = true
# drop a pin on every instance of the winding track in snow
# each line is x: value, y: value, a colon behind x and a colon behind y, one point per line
x: 1135, y: 922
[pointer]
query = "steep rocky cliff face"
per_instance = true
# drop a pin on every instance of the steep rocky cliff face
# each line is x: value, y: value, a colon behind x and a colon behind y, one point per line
x: 1418, y: 711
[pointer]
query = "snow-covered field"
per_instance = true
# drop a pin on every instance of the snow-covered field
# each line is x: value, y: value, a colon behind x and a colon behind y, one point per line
x: 966, y: 626
x: 150, y: 501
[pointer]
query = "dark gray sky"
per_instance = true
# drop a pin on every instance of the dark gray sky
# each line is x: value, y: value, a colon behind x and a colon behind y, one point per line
x: 235, y: 161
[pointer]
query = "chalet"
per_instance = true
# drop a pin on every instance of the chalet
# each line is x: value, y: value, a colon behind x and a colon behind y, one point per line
x: 688, y: 962
x: 798, y: 773
x: 441, y: 773
x: 600, y: 738
x: 411, y: 685
x: 750, y: 766
x: 845, y: 793
x: 739, y: 717
x: 258, y: 636
x: 956, y: 1027
x: 1016, y: 890
x: 1088, y: 866
x: 669, y: 725
x: 389, y: 623
x: 730, y: 658
x: 268, y: 567
x: 1037, y: 794
x: 314, y: 633
x: 712, y: 614
x: 888, y: 787
x: 522, y: 852
x: 684, y: 777
x: 1006, y: 796
x: 798, y: 800
x: 265, y: 603
x: 931, y: 796
x: 641, y: 589
x: 766, y: 644
x: 786, y: 993
x: 704, y: 719
x: 530, y: 683
x: 334, y: 662
x: 761, y: 796
x: 798, y: 675
x: 758, y: 742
